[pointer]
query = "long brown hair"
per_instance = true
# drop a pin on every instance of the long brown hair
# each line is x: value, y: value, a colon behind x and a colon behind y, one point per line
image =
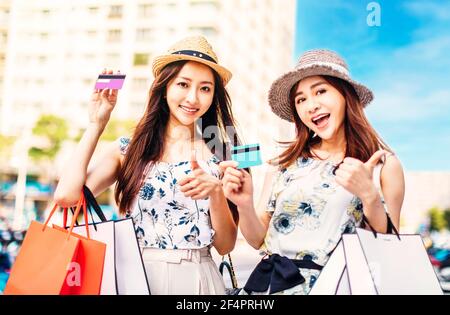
x: 362, y: 140
x: 147, y: 143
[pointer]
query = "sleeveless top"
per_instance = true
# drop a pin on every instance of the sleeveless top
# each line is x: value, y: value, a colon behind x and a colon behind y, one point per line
x: 310, y: 211
x: 163, y: 217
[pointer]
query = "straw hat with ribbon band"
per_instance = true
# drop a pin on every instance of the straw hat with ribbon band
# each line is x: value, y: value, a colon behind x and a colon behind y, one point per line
x: 311, y: 63
x: 193, y: 48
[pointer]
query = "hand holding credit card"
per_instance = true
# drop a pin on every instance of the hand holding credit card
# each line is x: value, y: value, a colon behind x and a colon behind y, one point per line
x: 110, y: 81
x: 246, y: 155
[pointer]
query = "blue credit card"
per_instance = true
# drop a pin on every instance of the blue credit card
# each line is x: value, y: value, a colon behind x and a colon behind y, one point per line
x: 246, y: 155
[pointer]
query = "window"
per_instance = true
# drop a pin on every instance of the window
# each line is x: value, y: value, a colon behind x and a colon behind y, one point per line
x: 143, y: 34
x: 206, y: 30
x: 4, y: 15
x: 146, y: 10
x: 140, y: 84
x: 3, y: 38
x: 91, y: 34
x: 42, y: 59
x: 141, y: 59
x: 93, y: 10
x: 45, y: 13
x: 87, y: 82
x: 114, y: 35
x: 113, y: 59
x: 115, y: 11
x: 43, y: 36
x: 209, y: 4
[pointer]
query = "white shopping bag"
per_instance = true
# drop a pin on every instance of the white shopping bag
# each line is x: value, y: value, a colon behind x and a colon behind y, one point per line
x: 124, y: 271
x: 130, y: 269
x: 375, y: 263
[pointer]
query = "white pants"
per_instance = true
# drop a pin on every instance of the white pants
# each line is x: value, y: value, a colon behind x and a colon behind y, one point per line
x: 182, y: 272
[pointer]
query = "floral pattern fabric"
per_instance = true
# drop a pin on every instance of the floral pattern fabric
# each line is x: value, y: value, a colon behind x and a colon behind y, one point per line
x: 310, y: 212
x: 163, y: 217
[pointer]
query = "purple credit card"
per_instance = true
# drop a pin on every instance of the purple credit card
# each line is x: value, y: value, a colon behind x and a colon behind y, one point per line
x: 110, y: 81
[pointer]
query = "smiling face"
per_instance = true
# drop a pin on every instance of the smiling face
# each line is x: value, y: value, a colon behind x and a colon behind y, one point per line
x: 320, y: 106
x: 190, y: 93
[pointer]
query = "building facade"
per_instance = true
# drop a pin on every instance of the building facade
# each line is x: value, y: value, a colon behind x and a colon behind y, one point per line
x: 57, y: 48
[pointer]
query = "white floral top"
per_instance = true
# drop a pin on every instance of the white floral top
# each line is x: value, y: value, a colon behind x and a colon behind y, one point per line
x: 310, y: 212
x: 163, y: 216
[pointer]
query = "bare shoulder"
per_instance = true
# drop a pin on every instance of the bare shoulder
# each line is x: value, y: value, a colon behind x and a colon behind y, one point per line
x: 271, y: 171
x: 392, y: 168
x: 393, y: 187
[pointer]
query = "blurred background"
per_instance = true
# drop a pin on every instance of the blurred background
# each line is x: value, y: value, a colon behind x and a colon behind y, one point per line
x: 51, y: 53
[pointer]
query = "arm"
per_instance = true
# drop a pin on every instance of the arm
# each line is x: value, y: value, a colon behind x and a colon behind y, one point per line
x: 238, y: 187
x: 356, y: 177
x: 222, y: 222
x: 76, y: 172
x: 393, y: 188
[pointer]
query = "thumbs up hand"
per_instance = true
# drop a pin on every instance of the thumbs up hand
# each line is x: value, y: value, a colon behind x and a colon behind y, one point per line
x: 198, y: 184
x: 356, y: 176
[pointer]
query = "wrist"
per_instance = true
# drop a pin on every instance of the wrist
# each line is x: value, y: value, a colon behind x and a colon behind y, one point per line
x: 217, y: 190
x: 246, y: 208
x: 370, y: 197
x: 96, y: 128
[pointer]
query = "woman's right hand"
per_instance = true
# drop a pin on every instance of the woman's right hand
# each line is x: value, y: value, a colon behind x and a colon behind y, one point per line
x: 237, y: 184
x: 102, y: 104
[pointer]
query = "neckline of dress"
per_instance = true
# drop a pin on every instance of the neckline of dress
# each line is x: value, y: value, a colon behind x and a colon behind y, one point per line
x: 185, y: 161
x: 333, y: 163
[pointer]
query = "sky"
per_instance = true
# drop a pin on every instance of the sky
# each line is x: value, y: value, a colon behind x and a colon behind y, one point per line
x: 405, y: 60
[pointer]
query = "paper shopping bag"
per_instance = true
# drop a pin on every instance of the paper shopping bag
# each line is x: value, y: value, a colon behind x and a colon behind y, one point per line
x: 45, y: 260
x: 394, y: 264
x: 124, y: 271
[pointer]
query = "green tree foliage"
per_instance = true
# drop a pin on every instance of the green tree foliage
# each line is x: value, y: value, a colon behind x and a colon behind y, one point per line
x: 114, y: 129
x: 53, y: 130
x: 117, y: 128
x: 437, y: 219
x: 447, y: 217
x: 6, y: 144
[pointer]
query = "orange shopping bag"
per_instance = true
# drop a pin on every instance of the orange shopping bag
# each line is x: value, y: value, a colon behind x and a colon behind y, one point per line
x: 91, y: 255
x: 44, y: 260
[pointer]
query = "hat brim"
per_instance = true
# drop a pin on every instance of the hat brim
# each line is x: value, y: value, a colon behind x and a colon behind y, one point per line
x: 281, y: 88
x: 160, y: 62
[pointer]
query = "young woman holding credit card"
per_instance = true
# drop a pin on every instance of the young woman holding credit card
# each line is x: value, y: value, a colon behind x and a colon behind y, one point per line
x: 335, y: 176
x: 167, y: 174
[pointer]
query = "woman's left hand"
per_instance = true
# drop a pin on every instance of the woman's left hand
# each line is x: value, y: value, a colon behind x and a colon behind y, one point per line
x: 198, y: 184
x: 356, y: 176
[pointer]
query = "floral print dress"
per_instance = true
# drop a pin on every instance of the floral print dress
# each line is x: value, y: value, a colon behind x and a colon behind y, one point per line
x: 164, y: 218
x: 310, y: 212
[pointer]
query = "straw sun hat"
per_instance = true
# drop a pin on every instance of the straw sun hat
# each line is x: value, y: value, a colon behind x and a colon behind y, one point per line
x: 193, y: 48
x: 311, y: 63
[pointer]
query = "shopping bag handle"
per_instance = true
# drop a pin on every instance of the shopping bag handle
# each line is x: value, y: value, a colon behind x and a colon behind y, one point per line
x: 93, y: 204
x: 229, y: 265
x: 80, y: 204
x: 390, y: 226
x: 89, y: 203
x: 86, y: 219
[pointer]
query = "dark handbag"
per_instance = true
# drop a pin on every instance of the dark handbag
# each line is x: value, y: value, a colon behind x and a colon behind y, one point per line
x: 234, y: 290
